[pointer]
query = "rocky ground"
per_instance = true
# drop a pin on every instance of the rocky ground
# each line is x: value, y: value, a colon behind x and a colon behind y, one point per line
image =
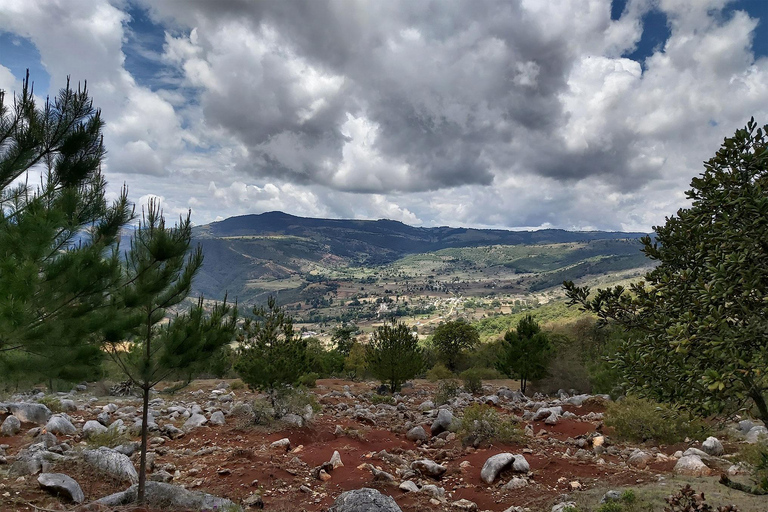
x: 201, y: 440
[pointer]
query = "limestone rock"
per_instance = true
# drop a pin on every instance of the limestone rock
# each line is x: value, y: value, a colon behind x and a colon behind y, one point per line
x: 364, y: 500
x: 429, y: 468
x: 497, y: 463
x: 336, y: 460
x: 409, y: 486
x: 691, y: 465
x: 162, y: 495
x: 712, y: 446
x: 442, y: 422
x: 756, y: 433
x: 194, y: 421
x: 462, y: 504
x: 417, y: 434
x: 58, y: 424
x: 30, y: 413
x: 92, y: 427
x: 61, y: 484
x: 113, y: 463
x: 639, y: 459
x: 217, y: 418
x: 515, y: 483
x: 11, y: 426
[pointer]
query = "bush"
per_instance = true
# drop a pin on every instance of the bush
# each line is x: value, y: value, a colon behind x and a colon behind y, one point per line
x: 236, y: 384
x: 52, y: 403
x: 473, y: 383
x: 446, y: 389
x: 309, y: 379
x: 288, y: 400
x: 377, y: 399
x: 756, y: 455
x: 482, y: 425
x: 639, y: 420
x: 111, y: 438
x: 439, y: 372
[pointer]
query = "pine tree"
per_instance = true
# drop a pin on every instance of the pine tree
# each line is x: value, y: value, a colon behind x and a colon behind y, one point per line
x: 146, y: 338
x: 525, y: 352
x: 394, y: 355
x: 58, y: 239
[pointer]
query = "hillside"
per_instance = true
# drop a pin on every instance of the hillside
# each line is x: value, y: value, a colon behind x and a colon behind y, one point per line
x: 345, y: 269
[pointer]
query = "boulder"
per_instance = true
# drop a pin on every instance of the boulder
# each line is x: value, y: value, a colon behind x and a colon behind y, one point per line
x: 443, y: 421
x: 756, y: 433
x: 429, y: 468
x: 409, y: 486
x: 515, y: 483
x: 691, y: 465
x: 194, y: 421
x: 30, y: 413
x: 336, y: 460
x: 565, y: 505
x: 67, y: 405
x: 217, y: 418
x: 11, y: 426
x: 293, y: 420
x: 639, y: 459
x: 113, y: 463
x: 364, y: 500
x: 58, y: 424
x: 93, y: 427
x: 745, y: 426
x: 162, y: 495
x: 63, y: 485
x: 499, y: 462
x: 712, y: 446
x: 417, y: 434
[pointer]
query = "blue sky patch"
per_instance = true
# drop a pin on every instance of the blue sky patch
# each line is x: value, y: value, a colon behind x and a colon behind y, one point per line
x: 19, y: 54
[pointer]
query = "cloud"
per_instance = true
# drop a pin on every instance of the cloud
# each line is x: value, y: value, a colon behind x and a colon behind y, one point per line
x: 488, y: 113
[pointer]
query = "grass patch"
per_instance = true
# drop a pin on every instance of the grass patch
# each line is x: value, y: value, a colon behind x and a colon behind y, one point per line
x: 52, y: 403
x: 111, y: 438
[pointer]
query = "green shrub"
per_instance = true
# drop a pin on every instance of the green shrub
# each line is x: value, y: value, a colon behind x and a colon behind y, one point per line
x: 52, y: 403
x: 237, y: 384
x: 446, y: 389
x: 377, y: 399
x: 309, y: 379
x: 473, y: 382
x: 439, y: 372
x: 611, y: 506
x: 288, y: 400
x: 483, y: 425
x: 756, y: 455
x: 111, y: 438
x: 639, y: 420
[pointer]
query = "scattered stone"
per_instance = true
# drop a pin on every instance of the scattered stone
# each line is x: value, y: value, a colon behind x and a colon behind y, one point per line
x: 11, y: 426
x: 293, y: 420
x: 282, y: 444
x: 381, y: 476
x: 364, y: 500
x: 217, y: 418
x: 417, y: 434
x: 713, y: 446
x: 691, y: 465
x: 408, y: 486
x: 30, y: 413
x: 60, y: 484
x: 433, y: 490
x: 161, y: 495
x: 92, y: 427
x: 254, y: 501
x: 161, y: 476
x: 467, y: 505
x: 516, y: 483
x: 58, y: 424
x: 112, y: 462
x: 610, y: 496
x: 443, y: 421
x: 497, y: 463
x: 639, y: 459
x: 336, y: 460
x: 194, y: 421
x: 755, y: 434
x: 560, y: 507
x: 429, y: 468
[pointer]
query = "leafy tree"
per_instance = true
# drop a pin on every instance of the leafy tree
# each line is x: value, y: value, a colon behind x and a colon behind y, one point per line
x: 451, y: 341
x: 147, y: 345
x: 354, y: 363
x: 343, y: 338
x: 270, y: 353
x: 58, y: 240
x: 394, y: 355
x: 525, y: 352
x: 700, y: 318
x: 322, y: 361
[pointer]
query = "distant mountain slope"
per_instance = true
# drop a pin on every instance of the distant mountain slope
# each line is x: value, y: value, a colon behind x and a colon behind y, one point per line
x: 254, y: 255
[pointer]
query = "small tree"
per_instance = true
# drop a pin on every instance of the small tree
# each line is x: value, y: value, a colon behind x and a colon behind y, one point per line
x: 700, y: 318
x: 343, y: 338
x: 354, y: 363
x: 270, y: 352
x: 394, y: 355
x: 525, y: 352
x: 140, y: 338
x: 452, y: 340
x: 58, y: 241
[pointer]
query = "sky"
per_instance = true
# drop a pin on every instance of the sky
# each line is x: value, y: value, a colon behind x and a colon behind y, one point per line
x: 574, y: 114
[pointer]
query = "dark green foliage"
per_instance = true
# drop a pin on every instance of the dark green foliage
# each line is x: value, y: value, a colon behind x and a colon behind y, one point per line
x: 355, y: 364
x: 525, y: 352
x: 439, y: 372
x: 473, y: 382
x: 393, y: 355
x: 482, y: 425
x: 701, y: 314
x: 157, y: 277
x: 452, y: 340
x: 271, y: 354
x: 446, y: 389
x: 58, y: 240
x: 324, y: 362
x: 639, y: 420
x: 343, y: 338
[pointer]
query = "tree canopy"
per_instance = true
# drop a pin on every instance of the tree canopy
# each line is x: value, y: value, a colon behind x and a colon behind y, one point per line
x: 394, y: 355
x: 58, y: 239
x: 700, y: 317
x: 451, y: 341
x: 525, y: 352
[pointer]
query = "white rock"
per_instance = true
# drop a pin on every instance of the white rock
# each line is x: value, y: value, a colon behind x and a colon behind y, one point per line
x: 713, y: 446
x: 691, y: 465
